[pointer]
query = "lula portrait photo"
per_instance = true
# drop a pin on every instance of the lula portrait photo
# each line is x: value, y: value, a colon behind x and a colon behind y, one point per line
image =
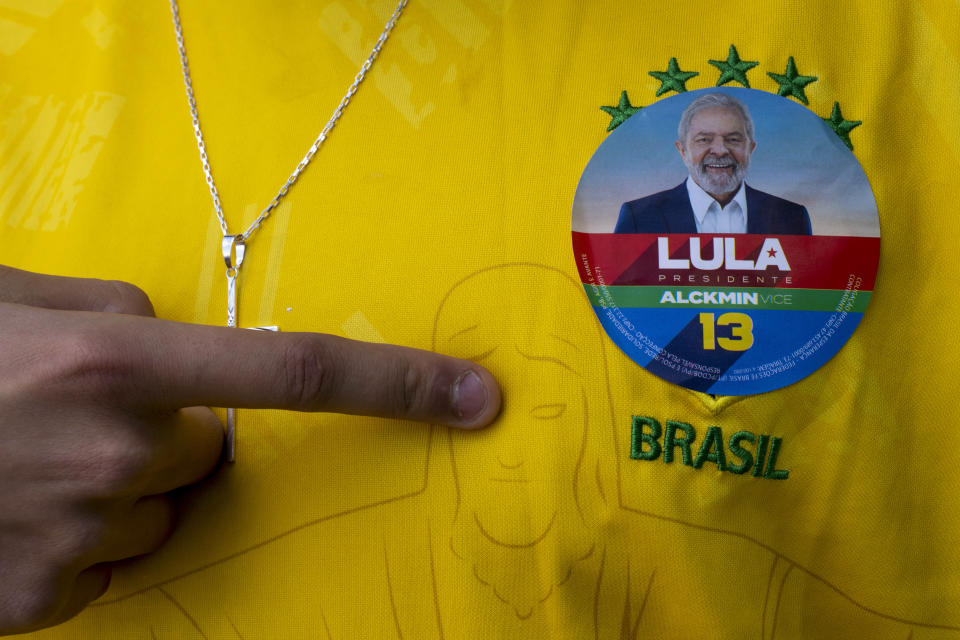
x: 725, y: 160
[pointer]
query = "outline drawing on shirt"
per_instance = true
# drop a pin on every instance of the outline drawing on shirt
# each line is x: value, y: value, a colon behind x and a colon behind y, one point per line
x: 471, y: 538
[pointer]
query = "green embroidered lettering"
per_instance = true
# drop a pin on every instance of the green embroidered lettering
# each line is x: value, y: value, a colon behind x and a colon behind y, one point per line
x: 771, y: 471
x: 746, y: 458
x: 670, y: 440
x: 649, y: 440
x: 761, y: 454
x: 712, y: 449
x: 639, y: 437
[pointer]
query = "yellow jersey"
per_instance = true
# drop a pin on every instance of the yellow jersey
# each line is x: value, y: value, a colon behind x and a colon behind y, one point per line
x: 437, y: 215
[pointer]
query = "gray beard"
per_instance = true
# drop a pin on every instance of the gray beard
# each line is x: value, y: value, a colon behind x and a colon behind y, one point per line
x: 717, y: 184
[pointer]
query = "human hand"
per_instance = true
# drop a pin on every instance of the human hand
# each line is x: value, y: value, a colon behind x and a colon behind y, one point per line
x: 101, y: 415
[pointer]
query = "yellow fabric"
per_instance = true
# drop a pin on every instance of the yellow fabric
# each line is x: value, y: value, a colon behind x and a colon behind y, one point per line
x: 441, y: 203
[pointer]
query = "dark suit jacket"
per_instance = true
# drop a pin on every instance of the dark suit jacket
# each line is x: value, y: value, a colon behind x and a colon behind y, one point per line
x: 670, y: 212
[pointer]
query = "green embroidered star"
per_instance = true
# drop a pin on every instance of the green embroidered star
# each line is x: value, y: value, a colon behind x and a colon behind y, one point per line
x: 840, y: 126
x: 791, y: 82
x: 620, y: 113
x: 673, y: 79
x: 733, y: 68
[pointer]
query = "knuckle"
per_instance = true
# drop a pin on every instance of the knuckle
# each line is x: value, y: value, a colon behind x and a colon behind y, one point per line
x: 115, y: 463
x: 308, y: 382
x: 123, y: 297
x: 27, y: 607
x: 109, y: 460
x: 412, y: 385
x: 408, y: 380
x: 88, y: 359
x: 73, y: 540
x: 37, y: 585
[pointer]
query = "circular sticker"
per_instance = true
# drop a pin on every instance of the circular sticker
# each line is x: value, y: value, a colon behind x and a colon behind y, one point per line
x: 727, y: 240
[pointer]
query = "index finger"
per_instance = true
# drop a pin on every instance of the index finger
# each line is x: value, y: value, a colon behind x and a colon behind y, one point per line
x: 187, y: 365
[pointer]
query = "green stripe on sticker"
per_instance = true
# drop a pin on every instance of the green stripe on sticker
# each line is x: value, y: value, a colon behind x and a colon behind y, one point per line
x: 728, y: 298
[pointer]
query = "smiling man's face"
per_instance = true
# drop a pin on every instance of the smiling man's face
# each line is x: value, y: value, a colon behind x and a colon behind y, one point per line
x: 717, y: 150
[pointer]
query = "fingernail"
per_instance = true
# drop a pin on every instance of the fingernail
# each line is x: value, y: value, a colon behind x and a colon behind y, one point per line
x: 468, y: 395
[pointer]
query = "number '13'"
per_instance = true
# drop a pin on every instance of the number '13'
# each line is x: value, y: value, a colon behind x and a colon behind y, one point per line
x: 741, y: 331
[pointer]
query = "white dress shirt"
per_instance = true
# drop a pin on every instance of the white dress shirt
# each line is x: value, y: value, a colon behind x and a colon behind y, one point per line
x: 711, y: 217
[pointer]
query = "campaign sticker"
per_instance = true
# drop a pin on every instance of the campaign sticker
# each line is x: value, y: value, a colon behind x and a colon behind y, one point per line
x: 727, y: 240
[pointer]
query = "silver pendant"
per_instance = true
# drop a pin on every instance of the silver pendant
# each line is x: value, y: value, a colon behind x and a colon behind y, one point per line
x: 234, y: 249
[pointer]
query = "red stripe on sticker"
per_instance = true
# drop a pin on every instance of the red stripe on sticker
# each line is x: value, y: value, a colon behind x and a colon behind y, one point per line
x: 734, y: 260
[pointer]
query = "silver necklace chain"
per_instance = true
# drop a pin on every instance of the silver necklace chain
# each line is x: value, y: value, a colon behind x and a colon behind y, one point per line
x: 188, y: 83
x: 234, y: 246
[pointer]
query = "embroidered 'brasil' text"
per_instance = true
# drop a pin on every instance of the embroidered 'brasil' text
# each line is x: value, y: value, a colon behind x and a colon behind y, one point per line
x: 754, y: 453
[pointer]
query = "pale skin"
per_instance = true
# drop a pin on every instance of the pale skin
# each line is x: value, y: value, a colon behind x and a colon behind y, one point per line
x: 103, y: 413
x: 717, y: 133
